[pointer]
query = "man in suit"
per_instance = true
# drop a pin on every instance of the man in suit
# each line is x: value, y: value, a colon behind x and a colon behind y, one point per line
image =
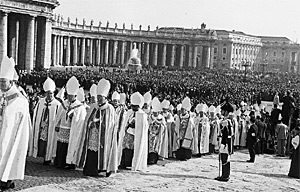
x: 251, y: 139
x: 281, y: 134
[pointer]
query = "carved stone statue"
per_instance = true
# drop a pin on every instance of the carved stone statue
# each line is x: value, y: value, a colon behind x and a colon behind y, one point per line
x: 148, y: 27
x: 116, y: 25
x: 92, y: 22
x: 123, y: 25
x: 134, y: 52
x: 107, y: 24
x: 131, y: 26
x: 134, y: 63
x: 76, y: 21
x: 83, y: 22
x: 203, y: 26
x: 140, y: 27
x: 156, y: 27
x: 100, y: 23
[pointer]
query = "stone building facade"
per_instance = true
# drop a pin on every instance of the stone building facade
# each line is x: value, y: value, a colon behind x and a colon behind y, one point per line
x: 236, y: 50
x: 279, y: 54
x: 36, y: 38
x: 25, y: 31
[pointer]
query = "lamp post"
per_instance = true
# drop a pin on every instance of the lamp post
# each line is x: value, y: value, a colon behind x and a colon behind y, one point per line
x: 245, y: 64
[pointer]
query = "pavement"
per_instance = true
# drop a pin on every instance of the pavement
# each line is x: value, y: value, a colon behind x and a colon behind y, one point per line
x: 37, y: 174
x: 268, y: 173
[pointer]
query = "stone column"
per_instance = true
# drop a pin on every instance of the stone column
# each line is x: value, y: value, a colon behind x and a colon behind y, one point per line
x: 201, y: 63
x: 115, y: 49
x: 75, y: 54
x: 164, y: 55
x: 91, y: 51
x: 155, y: 54
x: 122, y: 53
x: 68, y: 51
x: 30, y: 44
x: 130, y: 48
x: 61, y: 54
x: 181, y: 56
x: 207, y: 57
x: 211, y: 56
x: 173, y: 56
x: 146, y: 58
x: 57, y: 53
x: 3, y: 34
x: 13, y: 38
x: 106, y: 52
x: 82, y: 61
x: 98, y: 59
x: 195, y: 56
x: 46, y: 44
x: 54, y: 42
x: 190, y: 62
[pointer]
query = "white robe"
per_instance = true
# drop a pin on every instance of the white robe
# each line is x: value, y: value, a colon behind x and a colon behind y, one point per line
x: 14, y: 137
x: 140, y: 153
x: 77, y: 130
x: 52, y: 134
x: 205, y: 131
x: 236, y: 133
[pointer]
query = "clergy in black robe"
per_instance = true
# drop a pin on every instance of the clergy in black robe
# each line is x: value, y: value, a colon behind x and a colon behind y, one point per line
x: 295, y: 164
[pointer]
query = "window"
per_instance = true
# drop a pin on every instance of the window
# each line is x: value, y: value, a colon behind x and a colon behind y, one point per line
x: 282, y: 54
x: 215, y: 58
x: 274, y: 53
x: 281, y: 61
x: 215, y: 50
x: 273, y: 60
x: 223, y: 65
x: 224, y: 58
x: 224, y: 50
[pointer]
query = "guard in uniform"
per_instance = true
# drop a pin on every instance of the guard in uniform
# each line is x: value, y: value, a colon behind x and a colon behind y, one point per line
x: 225, y: 142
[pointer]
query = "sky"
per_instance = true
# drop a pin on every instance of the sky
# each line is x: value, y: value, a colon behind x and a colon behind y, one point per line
x: 255, y: 17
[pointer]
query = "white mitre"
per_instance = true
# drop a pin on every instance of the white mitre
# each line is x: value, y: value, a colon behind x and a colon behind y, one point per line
x: 137, y: 99
x: 16, y: 76
x: 165, y: 104
x: 122, y: 98
x: 186, y: 103
x: 49, y: 85
x: 156, y: 105
x: 212, y: 109
x: 61, y: 93
x: 115, y: 96
x: 200, y: 107
x: 7, y: 69
x: 147, y: 97
x: 93, y: 90
x: 103, y: 87
x: 72, y: 86
x: 80, y: 95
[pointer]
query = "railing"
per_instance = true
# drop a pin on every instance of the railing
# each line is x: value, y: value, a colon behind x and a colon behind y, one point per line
x: 60, y: 23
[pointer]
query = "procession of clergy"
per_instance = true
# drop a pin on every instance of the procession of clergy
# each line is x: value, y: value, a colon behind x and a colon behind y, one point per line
x: 104, y: 137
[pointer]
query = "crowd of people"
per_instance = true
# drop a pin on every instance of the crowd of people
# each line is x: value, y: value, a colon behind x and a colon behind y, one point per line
x: 104, y: 121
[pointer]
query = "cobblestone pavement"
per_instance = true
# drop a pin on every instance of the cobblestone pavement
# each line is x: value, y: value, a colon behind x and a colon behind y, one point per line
x: 37, y: 174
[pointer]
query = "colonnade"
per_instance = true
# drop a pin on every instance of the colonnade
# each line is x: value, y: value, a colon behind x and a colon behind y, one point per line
x: 26, y: 38
x: 77, y: 50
